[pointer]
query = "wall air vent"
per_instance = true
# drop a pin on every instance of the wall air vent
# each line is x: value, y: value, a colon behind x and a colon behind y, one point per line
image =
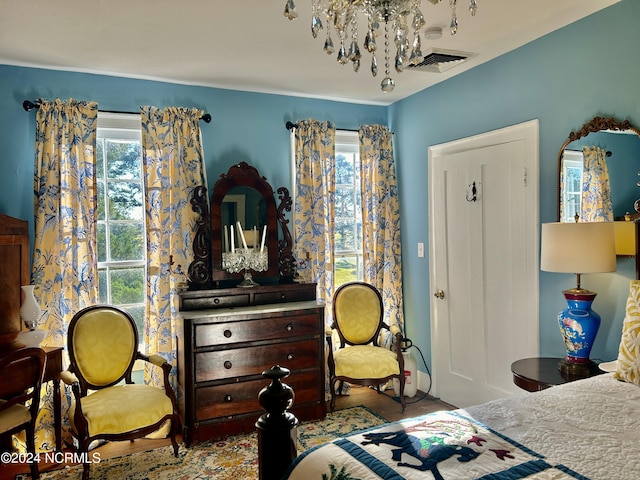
x: 439, y: 60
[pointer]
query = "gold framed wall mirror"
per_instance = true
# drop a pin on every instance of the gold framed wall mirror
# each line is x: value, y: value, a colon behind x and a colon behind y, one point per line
x: 619, y: 142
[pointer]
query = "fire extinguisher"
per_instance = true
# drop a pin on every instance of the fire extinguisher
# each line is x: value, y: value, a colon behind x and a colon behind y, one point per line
x: 410, y: 373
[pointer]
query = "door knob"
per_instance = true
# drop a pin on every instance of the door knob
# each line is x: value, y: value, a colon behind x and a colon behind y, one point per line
x: 439, y: 294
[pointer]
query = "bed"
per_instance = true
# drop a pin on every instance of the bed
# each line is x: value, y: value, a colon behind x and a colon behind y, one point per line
x: 587, y: 429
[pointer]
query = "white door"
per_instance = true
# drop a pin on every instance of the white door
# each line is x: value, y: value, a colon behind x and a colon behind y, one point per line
x: 483, y: 232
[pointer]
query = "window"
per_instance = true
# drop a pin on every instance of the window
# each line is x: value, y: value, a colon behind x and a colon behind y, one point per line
x: 572, y: 164
x: 348, y: 210
x: 121, y: 230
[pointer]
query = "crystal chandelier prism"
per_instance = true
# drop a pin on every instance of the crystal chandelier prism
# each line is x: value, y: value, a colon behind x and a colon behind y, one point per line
x: 396, y: 18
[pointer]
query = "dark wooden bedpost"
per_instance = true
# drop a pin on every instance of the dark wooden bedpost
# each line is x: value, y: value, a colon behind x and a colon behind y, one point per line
x: 277, y: 429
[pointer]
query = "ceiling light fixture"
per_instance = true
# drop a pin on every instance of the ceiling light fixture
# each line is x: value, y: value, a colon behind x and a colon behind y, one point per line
x: 342, y: 17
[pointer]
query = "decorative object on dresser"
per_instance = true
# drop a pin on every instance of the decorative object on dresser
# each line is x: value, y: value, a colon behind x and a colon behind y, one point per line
x: 241, y: 197
x: 14, y: 272
x: 31, y: 314
x: 585, y: 247
x: 228, y: 334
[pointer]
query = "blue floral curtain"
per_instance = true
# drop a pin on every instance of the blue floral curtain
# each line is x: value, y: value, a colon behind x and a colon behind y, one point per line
x: 65, y: 208
x: 381, y: 221
x: 596, y: 188
x: 173, y: 162
x: 313, y: 218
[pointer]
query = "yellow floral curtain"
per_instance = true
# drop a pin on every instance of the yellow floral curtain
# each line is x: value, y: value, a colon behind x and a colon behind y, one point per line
x: 596, y: 188
x: 313, y: 218
x: 381, y: 221
x: 173, y: 162
x: 64, y: 268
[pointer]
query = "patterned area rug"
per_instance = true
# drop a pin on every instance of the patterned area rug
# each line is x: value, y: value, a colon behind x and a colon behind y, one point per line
x: 233, y: 458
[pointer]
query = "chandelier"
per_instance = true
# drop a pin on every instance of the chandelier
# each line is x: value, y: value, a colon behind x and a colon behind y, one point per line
x: 396, y: 15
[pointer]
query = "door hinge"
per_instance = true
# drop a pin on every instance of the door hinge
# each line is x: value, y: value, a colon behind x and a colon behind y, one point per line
x: 524, y: 177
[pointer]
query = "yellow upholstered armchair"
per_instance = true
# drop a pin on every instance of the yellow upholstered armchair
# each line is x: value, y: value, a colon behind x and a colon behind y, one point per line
x: 103, y: 346
x: 358, y: 319
x: 20, y: 382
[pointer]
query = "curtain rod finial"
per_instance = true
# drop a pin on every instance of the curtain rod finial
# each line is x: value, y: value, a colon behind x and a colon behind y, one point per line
x: 28, y: 105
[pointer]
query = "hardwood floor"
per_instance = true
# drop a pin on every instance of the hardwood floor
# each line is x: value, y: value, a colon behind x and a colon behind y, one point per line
x: 381, y: 403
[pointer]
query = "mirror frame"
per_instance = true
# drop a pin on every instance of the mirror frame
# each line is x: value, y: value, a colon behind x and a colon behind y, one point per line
x: 596, y: 124
x: 206, y: 269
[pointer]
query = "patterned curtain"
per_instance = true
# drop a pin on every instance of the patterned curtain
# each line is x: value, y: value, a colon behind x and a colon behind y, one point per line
x: 65, y: 208
x: 596, y: 189
x: 313, y: 218
x: 173, y: 162
x: 381, y: 221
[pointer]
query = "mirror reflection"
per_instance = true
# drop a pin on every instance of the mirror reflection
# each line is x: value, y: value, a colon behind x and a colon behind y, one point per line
x: 598, y: 172
x: 246, y: 207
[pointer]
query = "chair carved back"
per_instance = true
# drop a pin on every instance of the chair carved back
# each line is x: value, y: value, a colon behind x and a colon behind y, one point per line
x: 358, y: 313
x: 102, y: 343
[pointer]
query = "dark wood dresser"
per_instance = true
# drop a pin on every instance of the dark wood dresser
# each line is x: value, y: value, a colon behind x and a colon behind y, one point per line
x: 228, y: 337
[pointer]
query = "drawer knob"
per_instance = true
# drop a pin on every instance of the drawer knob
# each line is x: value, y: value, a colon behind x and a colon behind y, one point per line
x: 283, y: 296
x: 290, y: 356
x: 228, y: 364
x: 289, y: 327
x: 227, y: 333
x: 216, y: 301
x: 228, y: 398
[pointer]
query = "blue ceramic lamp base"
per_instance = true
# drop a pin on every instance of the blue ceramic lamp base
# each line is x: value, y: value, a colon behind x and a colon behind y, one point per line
x: 579, y: 326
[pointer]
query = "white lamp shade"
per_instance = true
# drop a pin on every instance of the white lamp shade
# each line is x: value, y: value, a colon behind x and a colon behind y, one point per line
x: 584, y: 247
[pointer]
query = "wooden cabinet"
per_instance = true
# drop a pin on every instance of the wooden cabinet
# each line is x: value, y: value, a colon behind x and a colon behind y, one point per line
x: 222, y: 353
x: 14, y: 271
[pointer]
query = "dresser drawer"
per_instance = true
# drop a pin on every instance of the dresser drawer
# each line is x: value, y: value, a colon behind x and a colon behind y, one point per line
x: 240, y: 398
x: 217, y: 301
x: 255, y: 330
x: 298, y: 295
x: 241, y: 362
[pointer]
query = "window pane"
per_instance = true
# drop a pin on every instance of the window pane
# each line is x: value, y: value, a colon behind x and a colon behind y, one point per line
x: 103, y: 294
x: 100, y: 158
x: 127, y: 285
x: 102, y: 242
x: 344, y: 168
x: 345, y: 239
x: 127, y: 242
x: 137, y: 313
x: 345, y: 203
x: 125, y: 201
x: 346, y: 270
x: 123, y: 159
x: 101, y: 209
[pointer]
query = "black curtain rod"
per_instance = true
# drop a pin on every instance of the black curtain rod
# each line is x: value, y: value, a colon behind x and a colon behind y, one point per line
x: 290, y: 126
x: 29, y: 105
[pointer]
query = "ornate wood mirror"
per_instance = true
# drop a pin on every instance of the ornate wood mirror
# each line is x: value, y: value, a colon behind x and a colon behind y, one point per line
x: 241, y: 197
x: 621, y: 140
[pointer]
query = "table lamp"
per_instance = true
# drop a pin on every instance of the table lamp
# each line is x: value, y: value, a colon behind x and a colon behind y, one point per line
x: 585, y: 247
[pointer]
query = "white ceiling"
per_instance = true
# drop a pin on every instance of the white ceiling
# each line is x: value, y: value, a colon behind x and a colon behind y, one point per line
x: 249, y: 44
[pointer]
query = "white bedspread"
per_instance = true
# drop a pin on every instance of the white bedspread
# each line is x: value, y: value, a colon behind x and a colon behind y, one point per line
x: 591, y: 427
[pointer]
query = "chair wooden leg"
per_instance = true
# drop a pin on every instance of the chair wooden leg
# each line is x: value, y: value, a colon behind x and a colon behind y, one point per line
x: 175, y: 426
x: 332, y: 387
x: 31, y: 448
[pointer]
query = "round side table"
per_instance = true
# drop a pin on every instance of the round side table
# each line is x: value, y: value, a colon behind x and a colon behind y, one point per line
x: 538, y: 373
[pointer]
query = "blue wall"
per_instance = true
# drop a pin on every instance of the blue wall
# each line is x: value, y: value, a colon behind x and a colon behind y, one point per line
x: 563, y: 79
